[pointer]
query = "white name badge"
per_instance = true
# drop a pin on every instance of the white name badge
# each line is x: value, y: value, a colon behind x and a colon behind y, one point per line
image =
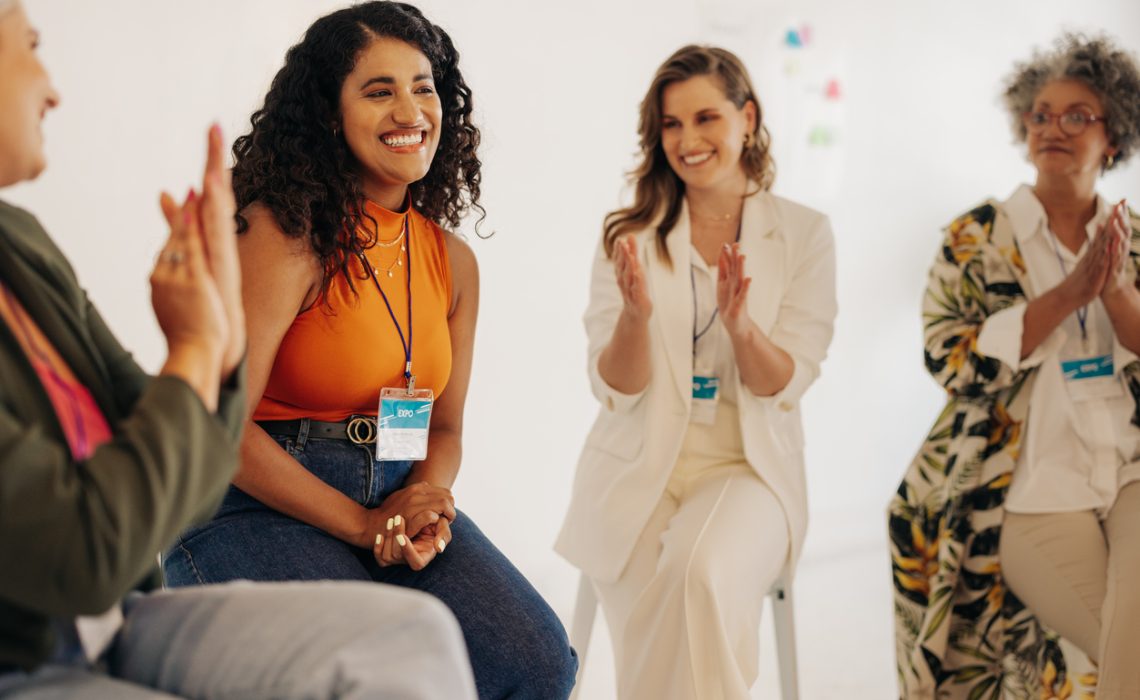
x: 1090, y: 378
x: 706, y: 392
x: 402, y: 424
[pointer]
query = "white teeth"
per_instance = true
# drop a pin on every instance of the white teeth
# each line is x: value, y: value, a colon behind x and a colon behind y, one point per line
x: 406, y: 140
x: 697, y: 159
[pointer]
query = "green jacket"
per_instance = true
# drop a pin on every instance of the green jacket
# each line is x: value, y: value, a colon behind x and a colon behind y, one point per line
x: 75, y: 537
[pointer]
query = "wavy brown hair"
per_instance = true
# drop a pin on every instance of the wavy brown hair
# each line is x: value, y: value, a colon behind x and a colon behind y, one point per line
x: 658, y: 191
x: 296, y: 164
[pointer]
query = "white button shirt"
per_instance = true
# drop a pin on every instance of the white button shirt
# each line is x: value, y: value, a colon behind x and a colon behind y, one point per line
x: 1077, y: 453
x: 713, y: 351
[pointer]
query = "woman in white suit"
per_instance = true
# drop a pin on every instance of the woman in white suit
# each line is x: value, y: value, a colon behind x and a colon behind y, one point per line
x: 711, y: 309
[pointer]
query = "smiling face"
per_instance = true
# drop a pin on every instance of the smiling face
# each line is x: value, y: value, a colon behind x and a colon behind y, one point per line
x: 702, y: 133
x: 390, y: 115
x: 1057, y: 154
x: 26, y: 95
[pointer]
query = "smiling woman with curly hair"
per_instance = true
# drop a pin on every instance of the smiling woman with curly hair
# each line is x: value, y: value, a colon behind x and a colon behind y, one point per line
x: 358, y: 300
x: 1016, y: 531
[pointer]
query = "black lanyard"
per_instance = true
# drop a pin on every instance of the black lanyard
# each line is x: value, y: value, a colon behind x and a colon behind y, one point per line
x: 693, y: 282
x: 407, y: 345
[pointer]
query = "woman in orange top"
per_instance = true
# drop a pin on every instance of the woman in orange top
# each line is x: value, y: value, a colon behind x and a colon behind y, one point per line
x: 364, y: 147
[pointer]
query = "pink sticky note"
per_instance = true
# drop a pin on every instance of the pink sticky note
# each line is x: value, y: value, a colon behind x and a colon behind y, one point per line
x: 832, y: 91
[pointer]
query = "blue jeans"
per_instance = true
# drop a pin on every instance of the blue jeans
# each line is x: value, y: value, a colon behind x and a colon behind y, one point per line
x: 517, y: 645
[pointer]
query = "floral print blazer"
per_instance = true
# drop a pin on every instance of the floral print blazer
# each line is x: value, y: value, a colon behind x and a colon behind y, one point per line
x: 959, y: 632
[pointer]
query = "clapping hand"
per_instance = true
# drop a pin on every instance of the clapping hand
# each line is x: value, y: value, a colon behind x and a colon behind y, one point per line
x: 219, y: 237
x: 1119, y: 274
x: 203, y: 240
x: 631, y: 280
x: 732, y: 291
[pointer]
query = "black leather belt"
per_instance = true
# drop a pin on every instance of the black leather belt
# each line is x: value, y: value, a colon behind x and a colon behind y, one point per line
x: 359, y: 430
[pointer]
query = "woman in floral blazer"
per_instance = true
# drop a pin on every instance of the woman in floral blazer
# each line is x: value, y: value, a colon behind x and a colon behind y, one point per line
x: 960, y: 632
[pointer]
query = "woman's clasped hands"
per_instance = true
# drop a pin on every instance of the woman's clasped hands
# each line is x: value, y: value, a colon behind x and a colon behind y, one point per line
x: 1120, y: 276
x: 413, y: 525
x: 1104, y: 270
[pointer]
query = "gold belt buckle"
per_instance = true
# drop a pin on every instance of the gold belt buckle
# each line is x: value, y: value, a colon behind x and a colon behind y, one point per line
x: 361, y: 430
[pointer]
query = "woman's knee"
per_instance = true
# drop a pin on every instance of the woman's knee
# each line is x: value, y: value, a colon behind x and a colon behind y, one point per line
x: 549, y: 669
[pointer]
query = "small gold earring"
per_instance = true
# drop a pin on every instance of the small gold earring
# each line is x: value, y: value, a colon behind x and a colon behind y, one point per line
x: 1108, y: 161
x: 748, y: 140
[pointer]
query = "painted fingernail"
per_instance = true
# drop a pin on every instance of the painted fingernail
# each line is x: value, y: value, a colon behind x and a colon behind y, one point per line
x: 389, y: 523
x: 441, y: 545
x: 434, y: 517
x: 401, y: 540
x: 379, y: 539
x: 397, y: 520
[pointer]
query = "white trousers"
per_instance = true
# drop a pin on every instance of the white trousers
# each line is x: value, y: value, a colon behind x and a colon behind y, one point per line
x: 685, y: 614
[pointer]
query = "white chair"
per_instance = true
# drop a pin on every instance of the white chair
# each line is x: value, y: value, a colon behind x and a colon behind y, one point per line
x: 782, y: 616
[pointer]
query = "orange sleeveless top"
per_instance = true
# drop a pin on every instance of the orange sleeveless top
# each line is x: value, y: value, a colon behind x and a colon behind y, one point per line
x: 336, y: 357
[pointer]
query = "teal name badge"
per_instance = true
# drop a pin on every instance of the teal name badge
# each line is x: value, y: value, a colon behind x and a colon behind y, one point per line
x: 705, y: 394
x: 402, y: 424
x: 1087, y: 368
x: 705, y: 387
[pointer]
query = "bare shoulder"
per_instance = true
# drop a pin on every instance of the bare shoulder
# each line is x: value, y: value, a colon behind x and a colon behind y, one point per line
x: 284, y: 266
x: 265, y: 239
x: 464, y: 266
x: 464, y: 273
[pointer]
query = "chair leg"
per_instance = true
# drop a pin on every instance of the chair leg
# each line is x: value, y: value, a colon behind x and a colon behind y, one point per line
x: 783, y: 618
x: 582, y: 625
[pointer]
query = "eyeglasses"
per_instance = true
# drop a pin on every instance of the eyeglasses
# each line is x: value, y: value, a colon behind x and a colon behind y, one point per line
x: 1072, y: 123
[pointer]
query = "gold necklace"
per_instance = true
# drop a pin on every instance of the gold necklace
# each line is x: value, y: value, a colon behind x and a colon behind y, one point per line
x: 394, y: 241
x: 398, y: 262
x: 720, y: 218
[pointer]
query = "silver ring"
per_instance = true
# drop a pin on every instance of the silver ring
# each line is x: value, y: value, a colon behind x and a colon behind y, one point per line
x: 174, y: 257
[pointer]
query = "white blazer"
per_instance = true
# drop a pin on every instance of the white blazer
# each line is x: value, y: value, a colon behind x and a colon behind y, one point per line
x: 636, y: 439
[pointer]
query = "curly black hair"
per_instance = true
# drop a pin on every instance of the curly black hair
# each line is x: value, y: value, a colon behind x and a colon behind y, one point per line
x: 1111, y: 72
x: 295, y: 164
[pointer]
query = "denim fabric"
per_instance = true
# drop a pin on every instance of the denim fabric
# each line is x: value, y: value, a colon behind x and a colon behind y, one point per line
x: 517, y: 645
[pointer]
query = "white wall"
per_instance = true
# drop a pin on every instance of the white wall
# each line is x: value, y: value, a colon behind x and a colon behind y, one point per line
x: 918, y: 136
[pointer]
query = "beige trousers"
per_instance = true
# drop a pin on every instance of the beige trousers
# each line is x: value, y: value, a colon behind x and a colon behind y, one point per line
x: 684, y: 616
x: 1079, y: 575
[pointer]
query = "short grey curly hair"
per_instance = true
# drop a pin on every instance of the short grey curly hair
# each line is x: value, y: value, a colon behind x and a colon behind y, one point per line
x: 1097, y: 62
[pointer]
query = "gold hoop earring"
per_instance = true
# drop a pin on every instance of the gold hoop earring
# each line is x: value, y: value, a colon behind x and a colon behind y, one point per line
x: 1108, y: 161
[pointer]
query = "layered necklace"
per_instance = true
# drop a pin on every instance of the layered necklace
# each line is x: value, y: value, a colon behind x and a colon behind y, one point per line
x: 399, y: 240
